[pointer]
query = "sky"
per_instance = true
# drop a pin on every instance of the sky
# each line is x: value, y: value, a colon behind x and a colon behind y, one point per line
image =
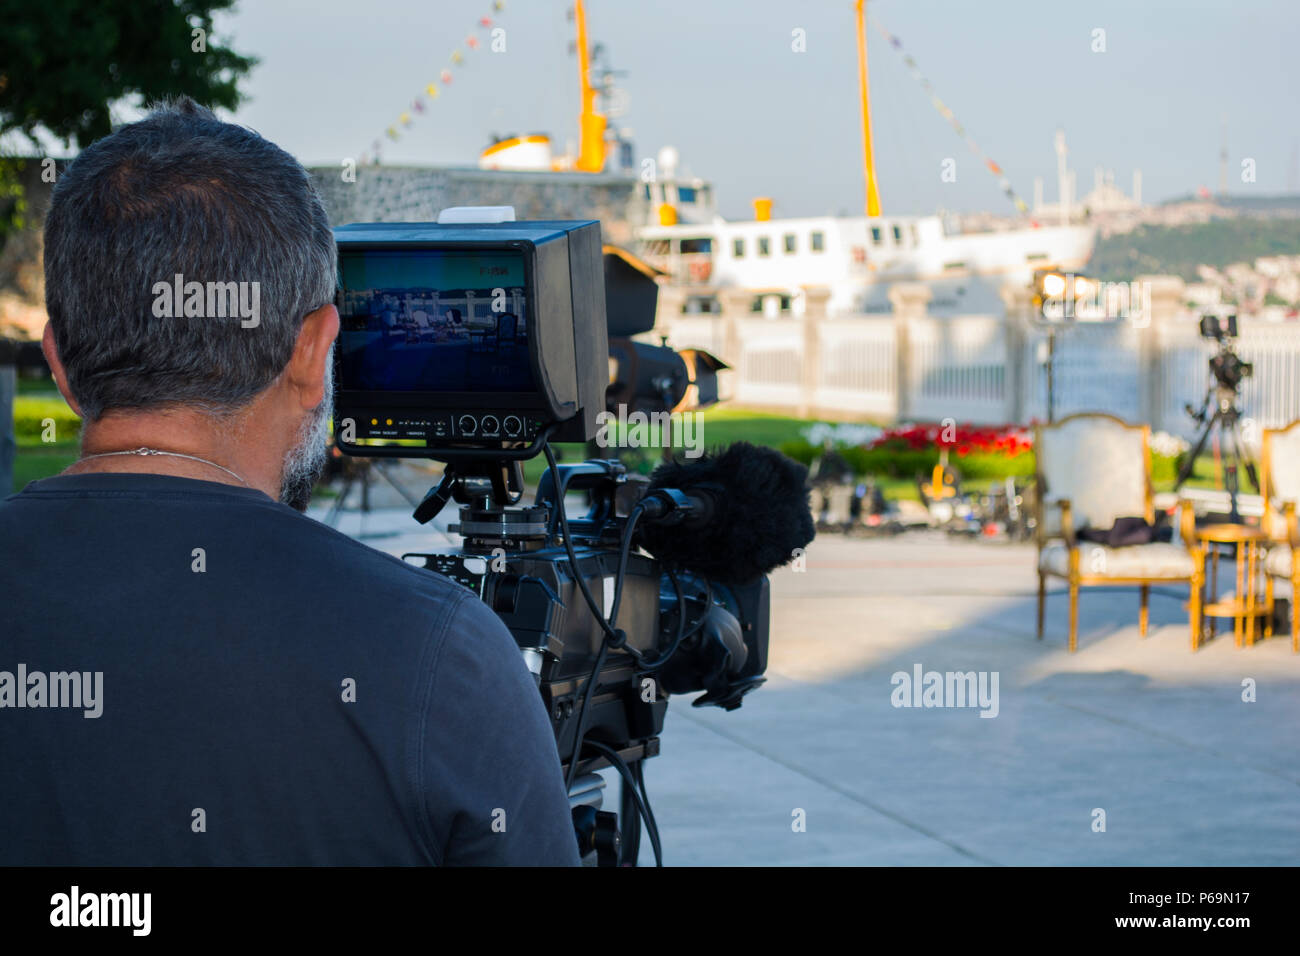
x: 720, y: 81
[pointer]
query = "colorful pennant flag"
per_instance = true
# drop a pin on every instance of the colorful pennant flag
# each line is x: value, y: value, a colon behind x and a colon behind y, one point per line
x: 431, y: 91
x: 947, y: 114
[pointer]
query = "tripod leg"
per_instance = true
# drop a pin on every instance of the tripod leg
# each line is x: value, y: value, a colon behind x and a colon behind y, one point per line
x: 383, y: 470
x: 337, y: 508
x: 1144, y: 614
x: 1231, y: 463
x: 1189, y: 466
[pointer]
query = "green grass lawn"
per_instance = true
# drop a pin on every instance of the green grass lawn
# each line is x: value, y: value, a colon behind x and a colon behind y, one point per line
x: 41, y: 461
x: 717, y: 426
x: 38, y: 400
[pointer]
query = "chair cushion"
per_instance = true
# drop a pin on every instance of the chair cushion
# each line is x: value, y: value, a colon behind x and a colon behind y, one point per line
x: 1279, y: 561
x: 1158, y: 560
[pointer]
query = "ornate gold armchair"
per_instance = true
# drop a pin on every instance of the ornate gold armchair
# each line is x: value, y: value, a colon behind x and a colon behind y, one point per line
x: 1280, y: 489
x: 1091, y: 470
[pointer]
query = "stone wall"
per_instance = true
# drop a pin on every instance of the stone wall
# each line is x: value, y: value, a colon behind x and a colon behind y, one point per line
x: 418, y: 194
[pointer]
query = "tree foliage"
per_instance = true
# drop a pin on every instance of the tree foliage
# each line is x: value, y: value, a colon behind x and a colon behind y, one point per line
x: 64, y: 63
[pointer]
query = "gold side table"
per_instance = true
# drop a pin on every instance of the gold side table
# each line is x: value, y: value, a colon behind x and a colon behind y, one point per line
x: 1247, y: 603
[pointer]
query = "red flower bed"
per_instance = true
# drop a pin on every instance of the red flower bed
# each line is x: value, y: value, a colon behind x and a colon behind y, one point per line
x: 1009, y: 440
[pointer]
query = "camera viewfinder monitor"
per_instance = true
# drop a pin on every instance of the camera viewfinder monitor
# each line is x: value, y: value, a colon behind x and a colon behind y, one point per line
x: 468, y: 336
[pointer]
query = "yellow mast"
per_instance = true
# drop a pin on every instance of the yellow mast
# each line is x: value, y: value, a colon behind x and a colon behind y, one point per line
x: 591, y: 125
x: 868, y: 160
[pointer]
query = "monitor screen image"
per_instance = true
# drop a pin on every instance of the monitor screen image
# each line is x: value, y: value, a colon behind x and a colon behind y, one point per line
x: 433, y: 320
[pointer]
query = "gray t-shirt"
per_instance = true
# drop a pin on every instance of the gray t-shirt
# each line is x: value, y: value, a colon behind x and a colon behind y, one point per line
x: 270, y: 692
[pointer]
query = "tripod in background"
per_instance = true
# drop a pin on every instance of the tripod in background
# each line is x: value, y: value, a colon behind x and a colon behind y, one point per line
x: 362, y: 471
x: 1227, y: 372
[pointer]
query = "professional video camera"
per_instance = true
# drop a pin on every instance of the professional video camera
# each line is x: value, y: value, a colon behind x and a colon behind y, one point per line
x: 478, y: 344
x: 1220, y: 410
x: 1226, y: 366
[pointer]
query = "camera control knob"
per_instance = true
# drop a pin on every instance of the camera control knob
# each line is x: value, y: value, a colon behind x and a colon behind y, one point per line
x: 490, y: 425
x: 467, y: 424
x: 514, y: 427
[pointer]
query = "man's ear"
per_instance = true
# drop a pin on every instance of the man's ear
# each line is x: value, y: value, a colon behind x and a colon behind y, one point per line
x: 56, y: 367
x: 307, y: 367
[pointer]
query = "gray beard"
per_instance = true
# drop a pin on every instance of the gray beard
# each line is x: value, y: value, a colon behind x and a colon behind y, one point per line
x: 305, y: 461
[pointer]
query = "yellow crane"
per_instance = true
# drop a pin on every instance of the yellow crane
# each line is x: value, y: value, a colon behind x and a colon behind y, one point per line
x: 868, y: 160
x: 591, y: 125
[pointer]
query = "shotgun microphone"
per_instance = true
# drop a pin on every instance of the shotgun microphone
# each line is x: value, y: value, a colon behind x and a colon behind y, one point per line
x: 730, y: 516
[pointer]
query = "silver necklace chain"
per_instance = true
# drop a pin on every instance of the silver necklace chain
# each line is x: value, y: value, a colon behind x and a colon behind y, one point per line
x: 171, y: 454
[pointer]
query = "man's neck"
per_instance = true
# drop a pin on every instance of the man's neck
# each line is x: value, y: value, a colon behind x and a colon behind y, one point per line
x: 197, y: 446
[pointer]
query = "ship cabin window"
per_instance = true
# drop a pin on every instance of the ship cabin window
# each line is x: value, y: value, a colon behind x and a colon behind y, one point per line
x: 877, y: 236
x: 686, y: 194
x: 954, y: 265
x: 1035, y: 256
x: 817, y: 242
x: 898, y: 235
x: 645, y: 190
x: 916, y: 239
x: 701, y: 305
x: 693, y: 246
x: 738, y: 248
x: 764, y: 246
x: 789, y: 243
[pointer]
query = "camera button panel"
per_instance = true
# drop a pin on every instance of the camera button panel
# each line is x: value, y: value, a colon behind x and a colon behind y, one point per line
x: 489, y: 425
x: 512, y: 426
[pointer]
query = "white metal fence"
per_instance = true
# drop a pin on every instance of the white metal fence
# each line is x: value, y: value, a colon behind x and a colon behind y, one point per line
x: 986, y: 369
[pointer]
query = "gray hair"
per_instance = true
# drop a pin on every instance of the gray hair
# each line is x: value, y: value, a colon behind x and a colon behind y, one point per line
x: 181, y: 192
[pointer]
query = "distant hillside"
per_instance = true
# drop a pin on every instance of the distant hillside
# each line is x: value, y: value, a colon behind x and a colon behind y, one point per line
x: 1178, y: 250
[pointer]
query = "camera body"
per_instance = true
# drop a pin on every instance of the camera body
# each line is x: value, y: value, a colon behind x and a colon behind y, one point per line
x: 513, y: 561
x: 1218, y: 326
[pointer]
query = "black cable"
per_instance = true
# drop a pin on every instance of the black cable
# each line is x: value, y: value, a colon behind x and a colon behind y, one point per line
x: 620, y: 765
x: 597, y: 613
x: 612, y: 637
x: 682, y: 633
x: 582, y: 716
x: 638, y: 771
x: 624, y: 556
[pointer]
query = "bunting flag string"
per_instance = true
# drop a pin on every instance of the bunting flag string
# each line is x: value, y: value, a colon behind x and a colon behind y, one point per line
x: 946, y: 112
x: 431, y: 92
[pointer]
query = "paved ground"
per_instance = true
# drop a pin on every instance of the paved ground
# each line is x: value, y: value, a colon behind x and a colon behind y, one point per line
x: 1157, y: 737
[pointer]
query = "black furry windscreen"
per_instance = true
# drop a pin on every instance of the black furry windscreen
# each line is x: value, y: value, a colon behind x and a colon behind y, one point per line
x: 761, y: 513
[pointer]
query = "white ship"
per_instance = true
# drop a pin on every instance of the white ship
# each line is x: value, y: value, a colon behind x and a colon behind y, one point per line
x: 854, y: 259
